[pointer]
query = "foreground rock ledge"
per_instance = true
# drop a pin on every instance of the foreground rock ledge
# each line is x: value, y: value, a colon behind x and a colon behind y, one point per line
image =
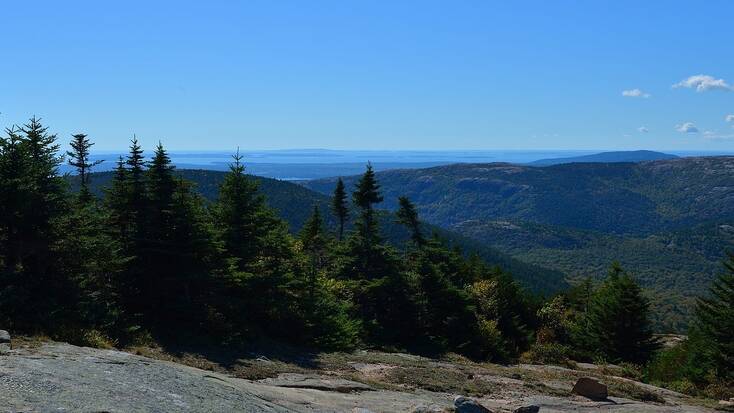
x: 62, y: 377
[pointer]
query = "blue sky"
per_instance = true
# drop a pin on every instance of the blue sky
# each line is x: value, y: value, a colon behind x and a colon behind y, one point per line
x: 374, y: 74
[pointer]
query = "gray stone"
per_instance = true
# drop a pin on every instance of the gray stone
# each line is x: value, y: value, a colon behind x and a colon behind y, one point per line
x: 591, y: 389
x: 527, y: 409
x: 316, y: 382
x: 467, y: 405
x: 4, y: 336
x: 4, y: 348
x: 428, y: 409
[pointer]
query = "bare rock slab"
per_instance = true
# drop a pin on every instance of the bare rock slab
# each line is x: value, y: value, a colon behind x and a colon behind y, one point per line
x: 316, y: 382
x: 4, y: 336
x: 590, y: 389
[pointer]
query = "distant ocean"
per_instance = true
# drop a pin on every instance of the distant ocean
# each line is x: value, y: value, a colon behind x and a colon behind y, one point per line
x: 303, y: 164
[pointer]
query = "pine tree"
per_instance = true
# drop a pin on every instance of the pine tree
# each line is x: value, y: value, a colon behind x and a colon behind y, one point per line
x: 617, y: 325
x: 715, y: 320
x: 408, y: 216
x: 79, y: 158
x: 339, y: 206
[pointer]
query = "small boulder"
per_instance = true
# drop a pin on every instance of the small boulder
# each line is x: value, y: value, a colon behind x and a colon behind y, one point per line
x: 528, y: 409
x: 591, y: 389
x: 467, y: 405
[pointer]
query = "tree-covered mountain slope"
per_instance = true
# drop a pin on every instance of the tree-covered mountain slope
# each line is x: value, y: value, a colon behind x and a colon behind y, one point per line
x: 617, y: 198
x: 668, y: 222
x: 294, y: 204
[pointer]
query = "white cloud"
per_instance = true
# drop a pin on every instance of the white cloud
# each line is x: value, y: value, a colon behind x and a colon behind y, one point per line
x: 703, y: 83
x: 729, y: 118
x: 643, y: 129
x: 687, y: 127
x: 716, y: 136
x: 635, y: 93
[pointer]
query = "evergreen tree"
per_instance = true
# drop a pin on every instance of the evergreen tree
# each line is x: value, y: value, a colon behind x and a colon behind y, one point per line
x: 408, y: 216
x: 90, y: 255
x: 242, y: 215
x: 617, y: 324
x: 79, y: 158
x: 136, y: 186
x: 46, y: 197
x: 339, y: 206
x: 117, y: 202
x: 715, y: 320
x: 315, y: 244
x: 366, y: 195
x: 15, y: 186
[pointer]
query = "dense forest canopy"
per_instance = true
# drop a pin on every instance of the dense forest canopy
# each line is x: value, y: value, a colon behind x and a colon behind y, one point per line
x: 152, y: 259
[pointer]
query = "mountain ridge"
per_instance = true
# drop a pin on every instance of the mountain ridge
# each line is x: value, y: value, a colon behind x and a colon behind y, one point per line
x: 607, y: 157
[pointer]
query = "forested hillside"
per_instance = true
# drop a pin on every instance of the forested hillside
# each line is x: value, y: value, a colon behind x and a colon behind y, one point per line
x: 294, y: 204
x: 668, y: 222
x: 149, y: 261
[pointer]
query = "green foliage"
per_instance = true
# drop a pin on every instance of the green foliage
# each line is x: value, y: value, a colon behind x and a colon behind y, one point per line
x: 667, y: 221
x: 616, y: 325
x: 715, y: 318
x: 339, y: 206
x: 154, y: 258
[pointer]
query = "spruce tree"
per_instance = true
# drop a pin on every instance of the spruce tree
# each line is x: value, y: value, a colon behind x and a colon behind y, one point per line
x: 79, y: 158
x: 315, y: 243
x: 116, y: 200
x: 242, y: 215
x: 47, y: 197
x: 408, y: 216
x: 339, y: 206
x: 617, y: 325
x: 715, y: 319
x: 366, y: 195
x: 14, y: 188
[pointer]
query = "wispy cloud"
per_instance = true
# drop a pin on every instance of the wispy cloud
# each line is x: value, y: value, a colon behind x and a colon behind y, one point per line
x: 703, y: 83
x: 635, y: 93
x: 729, y: 118
x: 643, y: 129
x: 687, y: 127
x: 716, y: 136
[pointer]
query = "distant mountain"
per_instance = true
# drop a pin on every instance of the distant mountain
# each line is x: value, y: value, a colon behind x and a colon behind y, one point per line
x: 294, y: 203
x: 618, y: 156
x: 668, y: 222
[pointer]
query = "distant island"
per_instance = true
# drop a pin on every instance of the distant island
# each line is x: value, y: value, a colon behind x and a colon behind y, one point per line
x: 615, y: 156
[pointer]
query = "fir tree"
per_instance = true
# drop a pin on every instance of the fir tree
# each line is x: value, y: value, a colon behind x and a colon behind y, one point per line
x: 715, y: 319
x: 339, y: 207
x: 617, y: 324
x: 366, y: 195
x: 242, y: 215
x: 408, y: 216
x: 47, y: 196
x: 315, y: 245
x: 116, y: 200
x: 79, y: 158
